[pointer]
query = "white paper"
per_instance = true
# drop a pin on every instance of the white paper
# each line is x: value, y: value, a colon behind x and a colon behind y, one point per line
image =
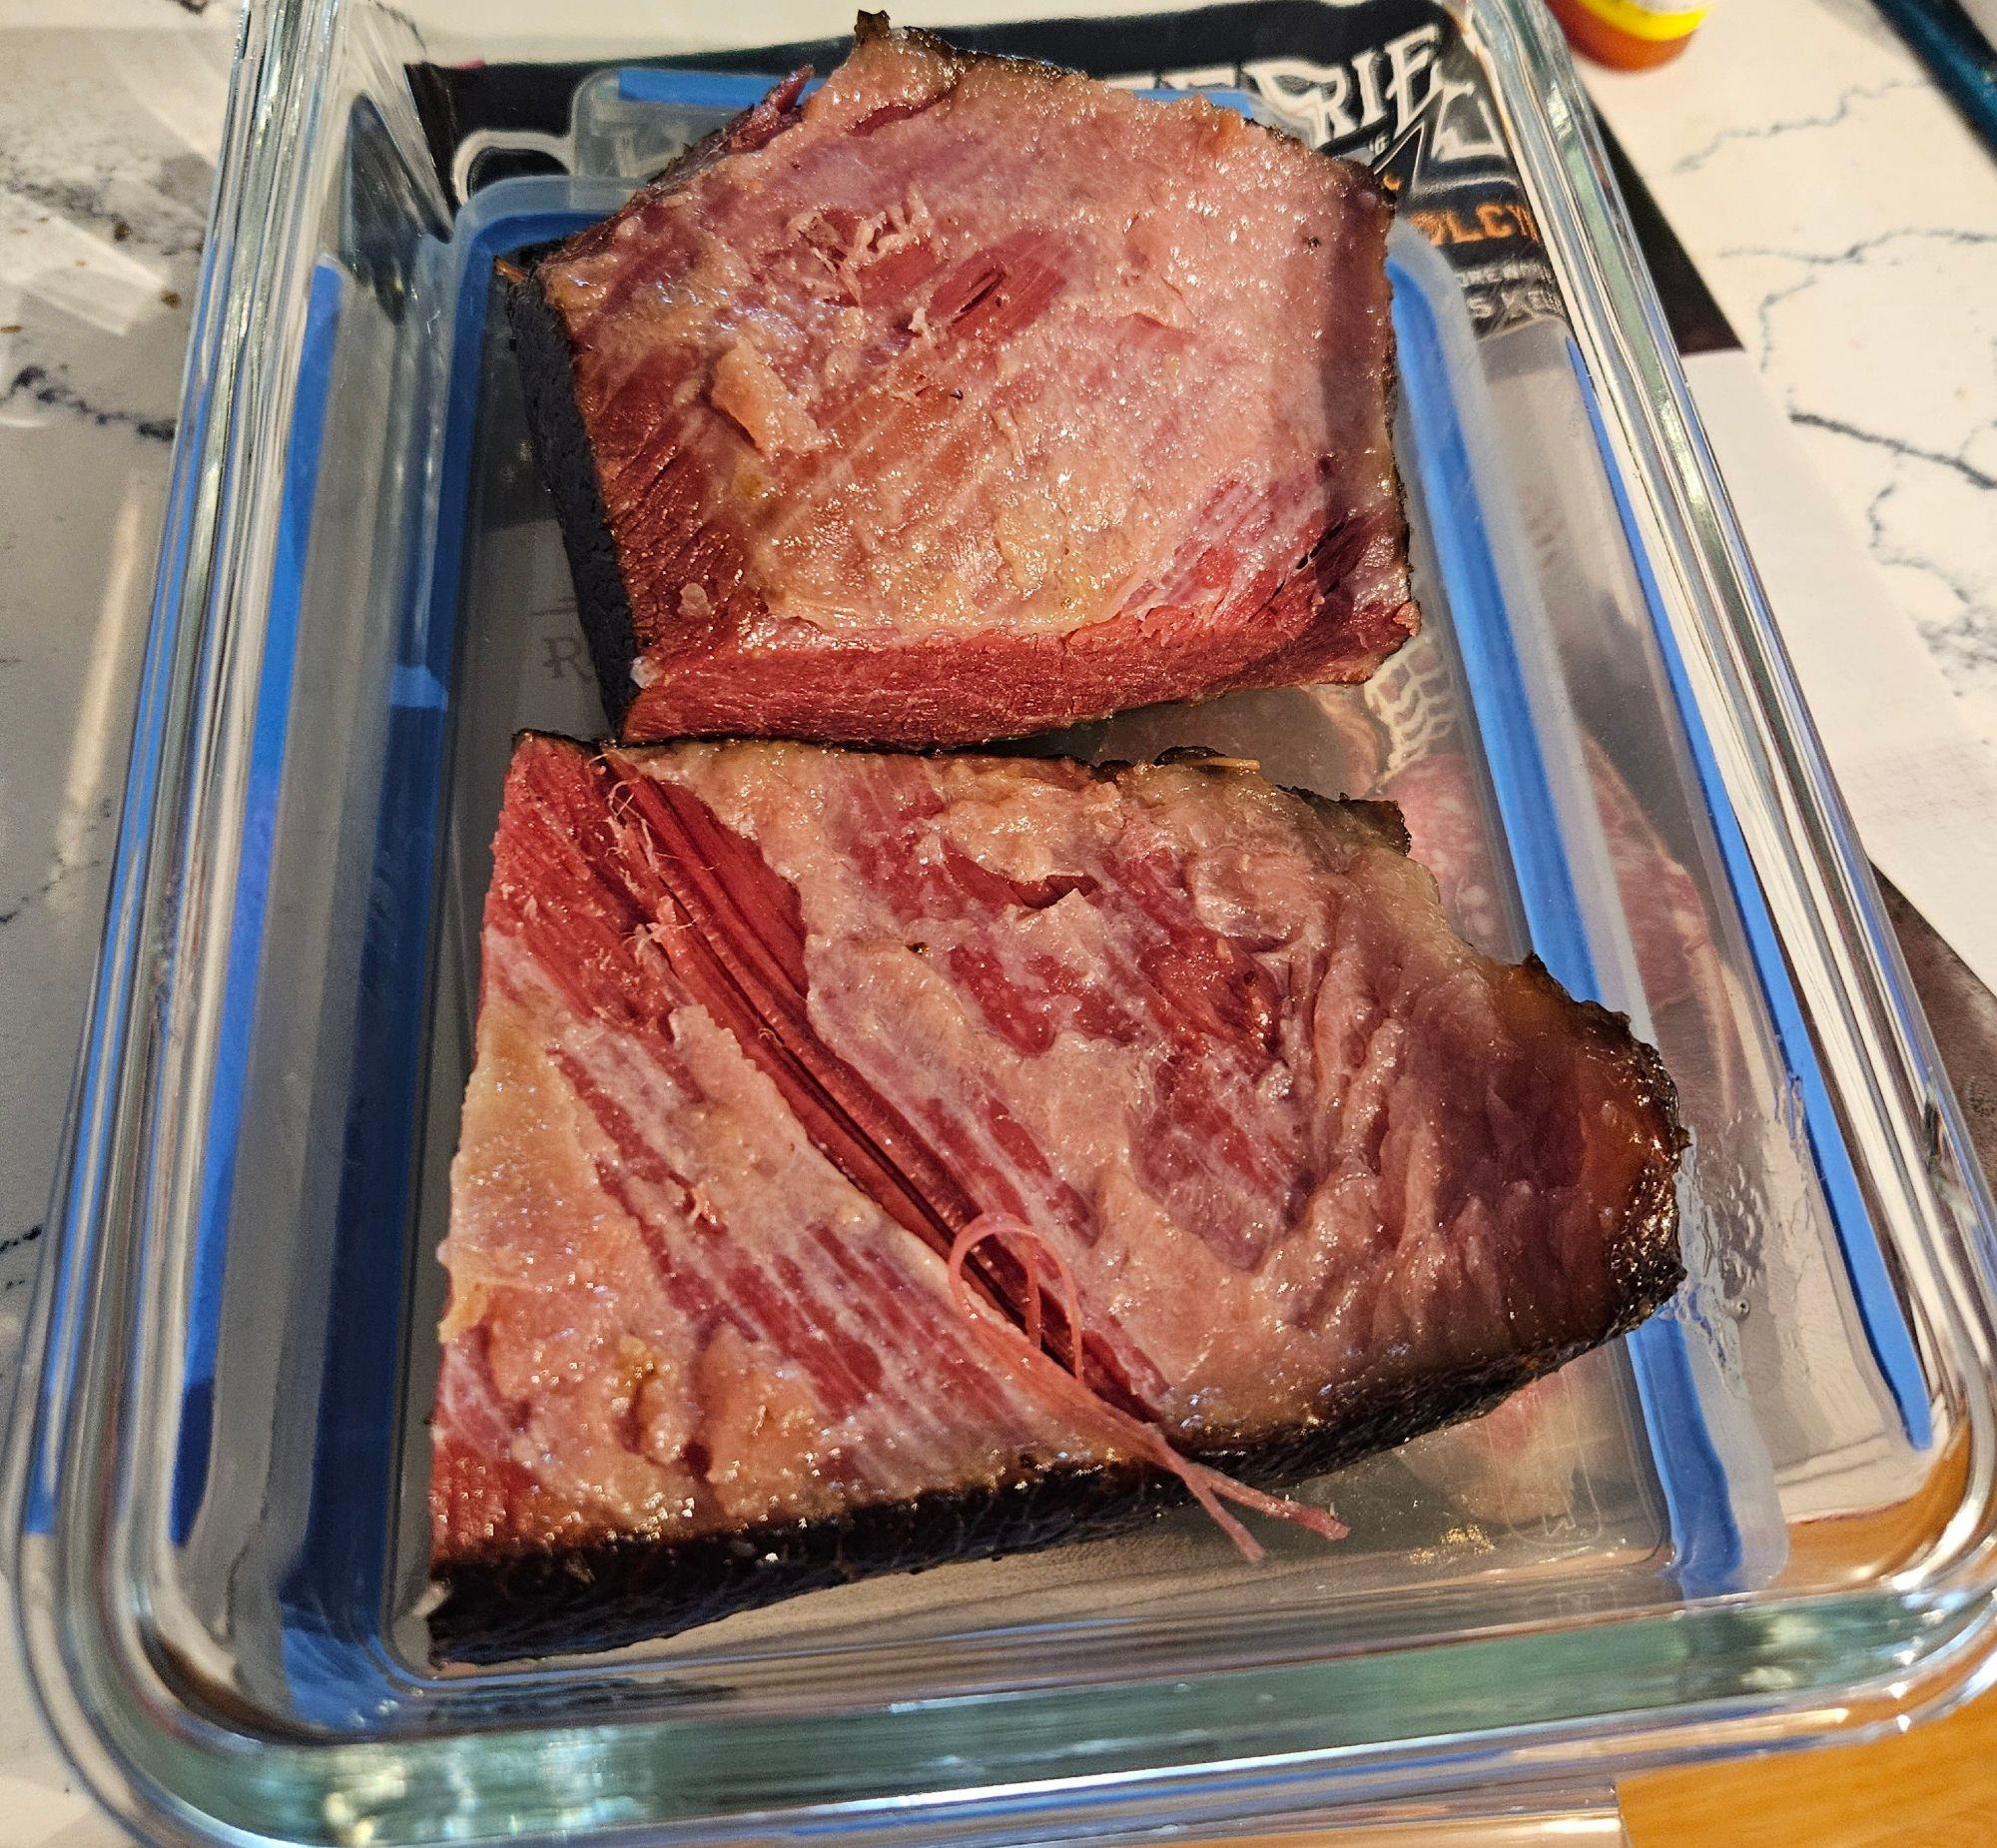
x: 1920, y: 783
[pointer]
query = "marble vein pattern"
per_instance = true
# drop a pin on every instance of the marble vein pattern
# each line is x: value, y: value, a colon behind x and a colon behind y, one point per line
x: 1847, y: 222
x: 109, y: 118
x: 107, y: 142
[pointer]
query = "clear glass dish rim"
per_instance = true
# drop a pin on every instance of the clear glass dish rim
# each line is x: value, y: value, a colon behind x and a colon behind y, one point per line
x: 187, y: 1776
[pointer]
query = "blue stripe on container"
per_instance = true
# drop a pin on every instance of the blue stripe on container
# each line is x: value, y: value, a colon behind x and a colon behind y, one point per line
x: 1705, y: 1537
x: 269, y: 731
x: 1886, y: 1332
x: 73, y: 1260
x: 731, y: 92
x: 331, y: 1666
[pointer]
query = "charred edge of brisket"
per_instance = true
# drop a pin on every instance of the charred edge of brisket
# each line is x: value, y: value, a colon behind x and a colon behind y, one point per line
x: 1646, y: 1257
x: 567, y: 465
x: 612, y: 1592
x: 1655, y: 1089
x: 1382, y: 819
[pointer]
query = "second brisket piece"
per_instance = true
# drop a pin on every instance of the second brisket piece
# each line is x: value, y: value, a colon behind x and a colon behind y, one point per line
x: 969, y: 396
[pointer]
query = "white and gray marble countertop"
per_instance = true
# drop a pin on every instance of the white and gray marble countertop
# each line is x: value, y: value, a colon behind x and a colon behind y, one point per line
x: 1847, y: 221
x: 1843, y: 216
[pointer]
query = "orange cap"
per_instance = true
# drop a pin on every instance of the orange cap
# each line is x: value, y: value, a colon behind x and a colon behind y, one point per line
x: 1630, y: 35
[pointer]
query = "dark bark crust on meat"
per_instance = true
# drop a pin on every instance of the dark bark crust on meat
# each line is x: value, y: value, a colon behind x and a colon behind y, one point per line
x: 569, y: 465
x: 612, y: 1592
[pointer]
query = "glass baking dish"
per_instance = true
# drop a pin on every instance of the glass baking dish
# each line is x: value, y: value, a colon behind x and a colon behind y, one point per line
x: 1764, y: 1519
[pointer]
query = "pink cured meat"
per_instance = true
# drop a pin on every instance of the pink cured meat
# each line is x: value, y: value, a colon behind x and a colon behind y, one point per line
x: 969, y: 396
x: 763, y: 1026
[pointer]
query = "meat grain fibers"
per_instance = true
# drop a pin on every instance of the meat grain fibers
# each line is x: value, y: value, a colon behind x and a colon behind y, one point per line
x: 765, y: 1028
x: 968, y: 397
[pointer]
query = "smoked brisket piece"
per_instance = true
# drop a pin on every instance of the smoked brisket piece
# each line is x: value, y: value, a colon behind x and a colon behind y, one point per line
x: 968, y: 397
x: 764, y: 1026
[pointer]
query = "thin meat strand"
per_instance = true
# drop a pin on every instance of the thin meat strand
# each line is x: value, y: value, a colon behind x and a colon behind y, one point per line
x: 1069, y: 1388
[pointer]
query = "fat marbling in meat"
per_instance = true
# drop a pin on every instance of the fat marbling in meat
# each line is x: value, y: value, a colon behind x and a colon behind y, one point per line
x: 765, y: 1025
x: 968, y: 397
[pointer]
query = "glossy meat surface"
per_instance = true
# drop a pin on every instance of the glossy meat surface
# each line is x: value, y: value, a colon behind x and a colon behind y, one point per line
x: 969, y: 396
x: 764, y: 1026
